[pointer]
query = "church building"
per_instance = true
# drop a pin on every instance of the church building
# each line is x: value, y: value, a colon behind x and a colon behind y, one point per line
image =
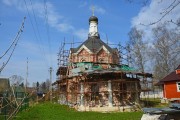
x: 94, y: 49
x: 93, y: 78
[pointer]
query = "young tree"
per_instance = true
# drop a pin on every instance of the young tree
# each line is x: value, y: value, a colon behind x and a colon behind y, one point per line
x: 22, y: 84
x: 37, y: 86
x: 43, y: 87
x: 48, y: 84
x: 16, y: 80
x: 137, y: 48
x: 166, y: 50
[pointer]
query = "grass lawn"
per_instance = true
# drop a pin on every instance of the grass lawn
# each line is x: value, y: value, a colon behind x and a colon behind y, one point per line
x: 48, y: 111
x: 154, y: 103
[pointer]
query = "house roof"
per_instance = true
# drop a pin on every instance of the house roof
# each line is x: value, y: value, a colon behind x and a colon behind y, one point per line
x: 172, y: 76
x: 93, y: 44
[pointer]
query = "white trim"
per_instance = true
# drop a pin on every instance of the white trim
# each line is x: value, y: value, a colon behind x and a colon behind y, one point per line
x: 178, y: 71
x: 83, y: 47
x: 89, y: 51
x: 178, y: 86
x: 104, y: 48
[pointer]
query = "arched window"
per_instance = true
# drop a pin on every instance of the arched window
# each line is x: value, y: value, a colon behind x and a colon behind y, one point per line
x: 83, y: 60
x: 101, y: 60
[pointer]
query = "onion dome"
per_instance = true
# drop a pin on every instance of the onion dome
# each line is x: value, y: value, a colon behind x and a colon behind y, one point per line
x: 93, y: 18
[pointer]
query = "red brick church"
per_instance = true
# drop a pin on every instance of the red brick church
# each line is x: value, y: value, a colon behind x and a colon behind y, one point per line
x: 94, y: 49
x: 94, y: 80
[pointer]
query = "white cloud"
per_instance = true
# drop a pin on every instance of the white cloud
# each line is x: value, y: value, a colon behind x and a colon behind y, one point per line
x: 53, y: 18
x: 83, y: 4
x: 18, y: 4
x: 81, y: 33
x: 152, y: 13
x: 29, y: 46
x: 8, y: 2
x: 38, y: 65
x: 39, y: 55
x: 98, y: 9
x: 64, y: 27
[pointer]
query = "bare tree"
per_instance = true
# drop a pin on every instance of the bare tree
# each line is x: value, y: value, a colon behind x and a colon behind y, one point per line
x: 138, y: 48
x: 16, y: 80
x: 44, y: 86
x: 48, y: 84
x: 37, y: 86
x: 166, y: 50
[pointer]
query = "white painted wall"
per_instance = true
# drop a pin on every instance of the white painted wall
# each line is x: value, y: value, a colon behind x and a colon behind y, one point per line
x: 93, y: 29
x: 157, y: 94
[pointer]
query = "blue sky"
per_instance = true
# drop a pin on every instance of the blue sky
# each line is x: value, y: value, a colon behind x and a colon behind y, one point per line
x: 66, y: 19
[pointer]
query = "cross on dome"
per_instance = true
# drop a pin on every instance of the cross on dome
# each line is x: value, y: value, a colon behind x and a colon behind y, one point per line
x: 93, y: 9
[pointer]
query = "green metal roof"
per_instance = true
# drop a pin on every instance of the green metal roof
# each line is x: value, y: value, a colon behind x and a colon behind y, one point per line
x: 127, y: 68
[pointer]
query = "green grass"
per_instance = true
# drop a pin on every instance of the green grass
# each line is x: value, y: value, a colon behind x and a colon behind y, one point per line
x: 2, y: 117
x: 150, y: 102
x: 48, y: 111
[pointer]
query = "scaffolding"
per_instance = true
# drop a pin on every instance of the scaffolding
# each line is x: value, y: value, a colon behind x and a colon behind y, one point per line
x: 93, y: 88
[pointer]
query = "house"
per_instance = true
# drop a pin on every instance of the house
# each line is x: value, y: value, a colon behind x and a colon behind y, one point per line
x: 4, y: 85
x: 4, y: 89
x: 91, y: 78
x: 171, y: 85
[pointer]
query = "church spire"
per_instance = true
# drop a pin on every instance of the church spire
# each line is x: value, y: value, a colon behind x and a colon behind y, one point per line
x: 93, y: 25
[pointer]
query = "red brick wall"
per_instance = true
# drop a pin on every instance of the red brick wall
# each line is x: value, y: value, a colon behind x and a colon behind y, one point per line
x: 102, y: 54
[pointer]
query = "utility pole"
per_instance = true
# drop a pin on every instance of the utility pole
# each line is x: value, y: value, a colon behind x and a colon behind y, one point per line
x: 26, y: 76
x: 50, y: 71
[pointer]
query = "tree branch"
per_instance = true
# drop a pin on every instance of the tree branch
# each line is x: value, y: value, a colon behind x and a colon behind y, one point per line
x: 166, y: 12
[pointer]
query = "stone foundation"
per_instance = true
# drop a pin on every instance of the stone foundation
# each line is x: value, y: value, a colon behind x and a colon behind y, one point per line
x: 108, y: 109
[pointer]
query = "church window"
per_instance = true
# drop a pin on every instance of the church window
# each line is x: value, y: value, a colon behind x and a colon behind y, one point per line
x: 83, y: 60
x: 101, y: 60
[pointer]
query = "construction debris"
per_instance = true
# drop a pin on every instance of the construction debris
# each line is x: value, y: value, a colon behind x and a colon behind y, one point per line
x: 170, y: 113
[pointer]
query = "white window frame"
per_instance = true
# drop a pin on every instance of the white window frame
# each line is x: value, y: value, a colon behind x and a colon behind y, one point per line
x: 178, y: 86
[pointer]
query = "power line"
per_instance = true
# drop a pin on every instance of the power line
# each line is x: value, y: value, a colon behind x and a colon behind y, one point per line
x: 9, y: 47
x: 15, y: 44
x: 14, y: 41
x: 40, y: 40
x: 36, y: 37
x: 47, y: 27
